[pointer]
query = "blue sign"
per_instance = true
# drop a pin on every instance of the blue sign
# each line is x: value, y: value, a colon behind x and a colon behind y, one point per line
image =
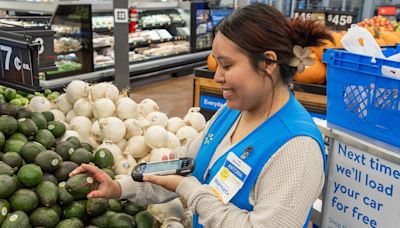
x: 211, y: 102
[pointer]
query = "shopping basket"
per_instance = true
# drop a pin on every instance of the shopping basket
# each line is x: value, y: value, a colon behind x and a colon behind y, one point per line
x: 363, y: 94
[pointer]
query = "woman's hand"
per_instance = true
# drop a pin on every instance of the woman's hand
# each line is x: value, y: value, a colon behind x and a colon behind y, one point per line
x: 169, y: 182
x: 107, y: 188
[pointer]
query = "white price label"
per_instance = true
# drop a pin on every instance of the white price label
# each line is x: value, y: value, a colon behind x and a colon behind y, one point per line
x: 303, y: 15
x: 40, y: 41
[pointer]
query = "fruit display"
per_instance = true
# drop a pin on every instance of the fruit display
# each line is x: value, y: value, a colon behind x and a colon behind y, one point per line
x: 103, y: 22
x: 66, y: 44
x: 65, y: 66
x: 380, y: 22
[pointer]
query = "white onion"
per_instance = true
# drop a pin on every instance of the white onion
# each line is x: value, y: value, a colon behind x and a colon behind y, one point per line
x: 157, y: 118
x: 174, y: 124
x: 143, y: 122
x: 112, y: 128
x: 162, y: 212
x: 196, y: 120
x: 96, y: 131
x: 113, y: 148
x: 103, y: 108
x: 157, y: 154
x: 147, y: 106
x: 69, y: 133
x: 124, y: 165
x: 66, y: 124
x: 77, y: 89
x: 127, y: 108
x: 185, y: 134
x: 137, y: 147
x: 81, y: 124
x: 58, y: 115
x: 122, y: 144
x: 53, y: 105
x: 133, y: 128
x: 83, y: 107
x: 39, y: 104
x: 144, y: 159
x: 156, y: 137
x: 173, y: 141
x: 71, y: 114
x: 63, y: 104
x: 89, y: 139
x: 104, y: 90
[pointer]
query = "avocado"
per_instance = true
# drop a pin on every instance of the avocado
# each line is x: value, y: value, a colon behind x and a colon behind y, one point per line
x: 144, y: 219
x: 24, y: 113
x: 96, y: 206
x: 44, y: 217
x: 121, y: 220
x: 102, y: 220
x: 57, y: 128
x: 74, y: 210
x: 46, y: 138
x: 80, y: 185
x: 48, y: 160
x: 8, y: 109
x: 114, y: 205
x: 40, y: 120
x: 132, y: 208
x: 57, y: 208
x: 65, y: 149
x: 65, y: 168
x: 75, y: 141
x: 47, y: 192
x: 30, y: 150
x: 2, y: 139
x: 19, y: 136
x: 6, y: 169
x: 48, y: 115
x: 10, y: 93
x: 27, y: 127
x: 81, y: 156
x: 103, y: 158
x: 17, y: 219
x: 50, y: 177
x: 12, y: 159
x: 4, y: 209
x: 109, y: 173
x: 64, y: 197
x: 8, y: 124
x: 70, y: 223
x: 87, y: 146
x: 13, y: 145
x: 24, y: 200
x: 30, y: 175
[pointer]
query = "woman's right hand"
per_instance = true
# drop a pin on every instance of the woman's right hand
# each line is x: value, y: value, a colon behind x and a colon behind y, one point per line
x: 107, y: 188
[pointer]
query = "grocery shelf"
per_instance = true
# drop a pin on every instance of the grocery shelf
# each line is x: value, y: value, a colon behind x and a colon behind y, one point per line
x: 101, y: 30
x: 161, y: 25
x: 101, y: 47
x: 66, y: 52
x: 147, y: 43
x: 148, y: 69
x: 50, y: 7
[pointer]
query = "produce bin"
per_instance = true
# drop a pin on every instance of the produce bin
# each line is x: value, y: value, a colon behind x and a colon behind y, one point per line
x: 360, y: 97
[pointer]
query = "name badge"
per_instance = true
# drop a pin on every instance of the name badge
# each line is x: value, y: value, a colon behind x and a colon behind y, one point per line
x: 230, y: 178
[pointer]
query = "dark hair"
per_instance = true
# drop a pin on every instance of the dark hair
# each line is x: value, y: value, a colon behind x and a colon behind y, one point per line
x: 259, y: 28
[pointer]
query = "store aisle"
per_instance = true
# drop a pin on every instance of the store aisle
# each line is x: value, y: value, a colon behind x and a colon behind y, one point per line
x: 174, y: 95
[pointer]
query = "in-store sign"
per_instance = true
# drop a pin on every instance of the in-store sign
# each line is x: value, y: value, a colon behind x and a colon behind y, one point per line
x: 17, y: 64
x: 362, y: 190
x: 310, y: 14
x: 211, y: 102
x: 340, y: 20
x: 41, y: 42
x: 121, y: 15
x: 303, y: 15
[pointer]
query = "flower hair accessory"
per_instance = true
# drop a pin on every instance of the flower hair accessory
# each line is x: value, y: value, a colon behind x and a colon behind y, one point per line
x: 301, y: 58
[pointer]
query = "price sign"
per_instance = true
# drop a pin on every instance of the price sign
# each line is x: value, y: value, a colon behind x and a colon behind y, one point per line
x: 303, y: 15
x: 310, y: 14
x: 19, y: 63
x: 340, y: 20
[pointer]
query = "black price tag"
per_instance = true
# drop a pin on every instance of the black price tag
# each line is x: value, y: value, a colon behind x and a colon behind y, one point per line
x: 340, y: 20
x: 19, y: 64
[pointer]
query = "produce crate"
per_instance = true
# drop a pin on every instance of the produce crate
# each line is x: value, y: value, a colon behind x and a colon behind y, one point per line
x: 360, y: 97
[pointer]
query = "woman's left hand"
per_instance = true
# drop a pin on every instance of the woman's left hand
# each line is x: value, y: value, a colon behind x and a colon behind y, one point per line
x: 169, y: 182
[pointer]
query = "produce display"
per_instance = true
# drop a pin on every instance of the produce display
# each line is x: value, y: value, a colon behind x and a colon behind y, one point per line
x: 52, y: 135
x: 65, y: 66
x: 102, y: 40
x: 66, y: 44
x: 103, y: 22
x: 66, y: 29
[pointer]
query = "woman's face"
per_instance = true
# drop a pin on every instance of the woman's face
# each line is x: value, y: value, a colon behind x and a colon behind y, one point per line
x: 243, y: 87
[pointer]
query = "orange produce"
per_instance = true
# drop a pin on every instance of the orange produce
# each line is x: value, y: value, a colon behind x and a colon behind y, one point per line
x: 212, y: 63
x: 390, y: 38
x: 328, y: 44
x: 315, y: 73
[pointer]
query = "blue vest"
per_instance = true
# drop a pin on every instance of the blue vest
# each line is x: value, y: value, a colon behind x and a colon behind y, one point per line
x: 290, y: 121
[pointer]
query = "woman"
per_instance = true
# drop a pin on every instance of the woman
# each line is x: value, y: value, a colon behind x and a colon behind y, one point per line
x: 262, y: 127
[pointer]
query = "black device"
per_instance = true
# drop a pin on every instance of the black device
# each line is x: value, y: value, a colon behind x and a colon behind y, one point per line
x: 182, y: 166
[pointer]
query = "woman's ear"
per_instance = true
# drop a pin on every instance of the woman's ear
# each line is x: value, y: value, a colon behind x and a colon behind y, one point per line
x: 271, y: 55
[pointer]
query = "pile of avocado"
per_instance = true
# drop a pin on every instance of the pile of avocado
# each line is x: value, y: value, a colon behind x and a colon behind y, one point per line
x: 35, y: 187
x: 21, y: 98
